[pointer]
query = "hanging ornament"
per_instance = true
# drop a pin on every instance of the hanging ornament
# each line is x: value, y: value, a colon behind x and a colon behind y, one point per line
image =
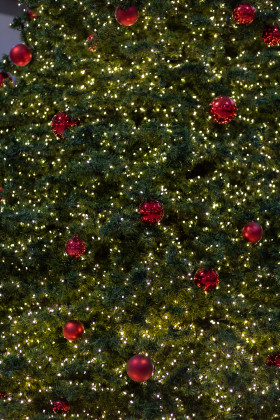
x: 151, y: 211
x: 208, y: 279
x: 92, y: 45
x: 3, y: 395
x: 271, y: 36
x: 1, y: 190
x: 244, y: 13
x: 30, y: 13
x: 60, y: 122
x: 273, y: 360
x: 61, y: 407
x: 127, y: 17
x: 21, y: 55
x: 252, y: 232
x: 73, y: 330
x: 139, y: 368
x: 75, y: 247
x: 223, y: 109
x: 4, y: 78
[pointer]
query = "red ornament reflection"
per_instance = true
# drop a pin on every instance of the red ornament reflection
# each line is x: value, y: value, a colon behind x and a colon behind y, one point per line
x: 273, y: 360
x: 244, y: 13
x: 139, y: 368
x: 21, y: 55
x: 4, y: 78
x: 73, y: 330
x: 92, y: 46
x: 60, y: 122
x: 75, y: 247
x: 61, y: 407
x: 271, y: 36
x: 223, y: 109
x: 31, y: 14
x: 252, y: 232
x: 127, y: 17
x: 208, y: 279
x: 151, y: 211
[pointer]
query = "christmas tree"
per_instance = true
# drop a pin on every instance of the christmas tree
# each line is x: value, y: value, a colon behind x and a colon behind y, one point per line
x: 140, y: 211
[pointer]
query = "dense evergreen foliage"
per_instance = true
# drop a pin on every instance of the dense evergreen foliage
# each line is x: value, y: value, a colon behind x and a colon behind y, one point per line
x: 142, y: 99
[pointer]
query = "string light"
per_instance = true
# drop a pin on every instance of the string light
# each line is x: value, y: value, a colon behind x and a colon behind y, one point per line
x: 137, y: 149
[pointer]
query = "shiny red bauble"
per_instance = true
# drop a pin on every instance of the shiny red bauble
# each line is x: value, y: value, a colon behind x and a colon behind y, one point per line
x: 127, y: 17
x: 75, y: 247
x: 273, y: 360
x: 60, y: 122
x: 208, y: 279
x: 223, y: 109
x: 271, y: 36
x: 21, y: 55
x: 73, y: 330
x: 140, y: 368
x: 4, y: 78
x: 61, y: 407
x: 252, y: 232
x: 92, y: 45
x: 3, y: 395
x: 31, y: 14
x: 151, y: 211
x: 244, y: 13
x: 1, y: 190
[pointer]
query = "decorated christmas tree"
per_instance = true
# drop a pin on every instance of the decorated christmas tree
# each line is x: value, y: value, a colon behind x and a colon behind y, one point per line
x: 140, y: 211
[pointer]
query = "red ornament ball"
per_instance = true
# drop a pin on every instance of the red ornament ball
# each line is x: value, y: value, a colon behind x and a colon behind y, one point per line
x: 223, y: 109
x: 21, y: 55
x: 31, y: 14
x: 3, y: 395
x: 151, y: 211
x: 5, y: 77
x: 61, y: 407
x: 127, y: 17
x: 92, y: 45
x: 73, y: 330
x: 273, y: 360
x: 75, y: 247
x: 208, y: 279
x: 1, y: 190
x: 60, y: 122
x: 139, y: 368
x: 271, y: 36
x: 252, y: 232
x: 244, y: 13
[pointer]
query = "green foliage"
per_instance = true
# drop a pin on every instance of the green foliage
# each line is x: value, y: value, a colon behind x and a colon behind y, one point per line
x: 142, y: 99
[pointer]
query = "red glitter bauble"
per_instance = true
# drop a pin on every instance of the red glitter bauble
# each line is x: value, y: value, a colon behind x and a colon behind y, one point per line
x: 90, y: 40
x: 252, y: 232
x: 73, y: 330
x: 127, y: 17
x: 60, y: 122
x: 4, y: 78
x: 31, y: 14
x: 3, y: 395
x: 151, y: 212
x: 61, y: 407
x: 273, y: 360
x: 271, y: 36
x: 206, y: 279
x: 223, y: 109
x: 244, y: 13
x: 139, y: 368
x: 75, y: 247
x: 21, y: 55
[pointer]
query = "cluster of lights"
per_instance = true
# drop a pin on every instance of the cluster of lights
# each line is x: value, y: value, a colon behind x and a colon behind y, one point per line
x: 141, y: 167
